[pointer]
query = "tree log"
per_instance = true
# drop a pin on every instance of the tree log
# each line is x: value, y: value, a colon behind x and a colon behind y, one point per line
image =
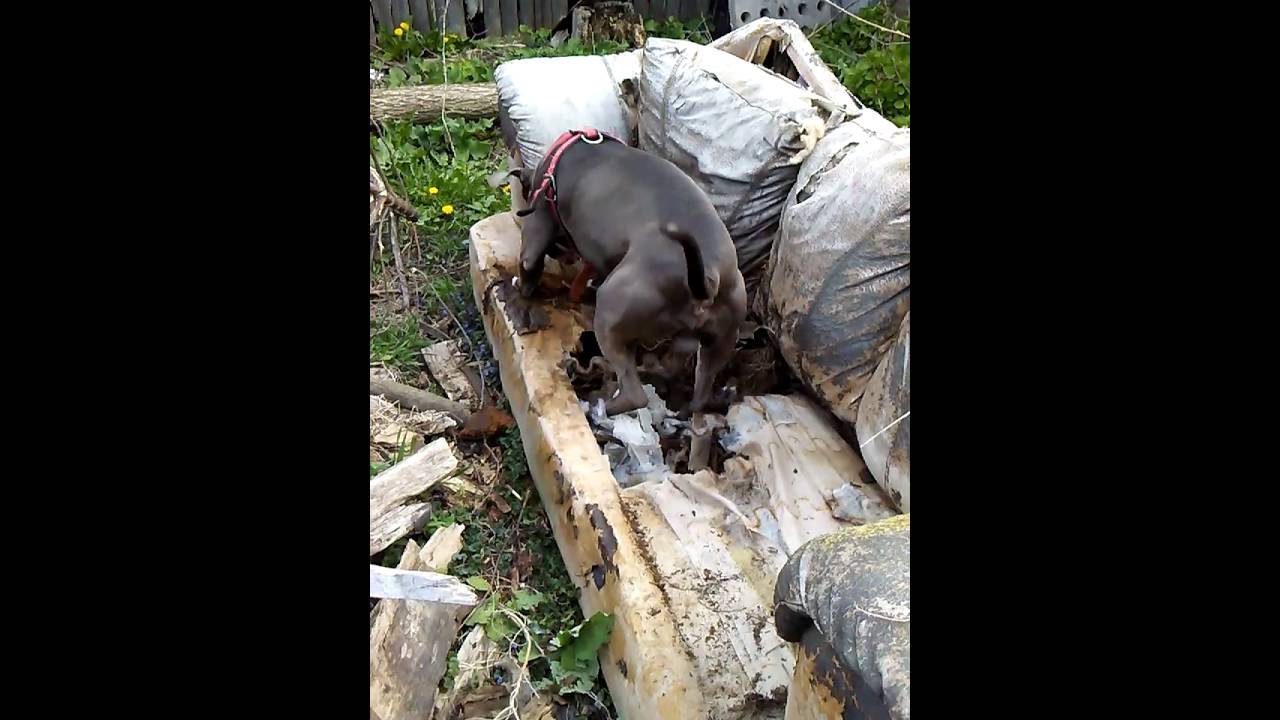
x: 424, y: 102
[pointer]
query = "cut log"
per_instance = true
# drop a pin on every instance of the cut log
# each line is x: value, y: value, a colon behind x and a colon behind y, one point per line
x: 424, y: 102
x: 394, y: 525
x: 608, y: 21
x: 411, y: 398
x: 412, y: 476
x: 409, y: 645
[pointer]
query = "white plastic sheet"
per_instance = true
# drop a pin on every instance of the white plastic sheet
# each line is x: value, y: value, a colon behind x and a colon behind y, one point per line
x: 544, y: 97
x: 738, y: 130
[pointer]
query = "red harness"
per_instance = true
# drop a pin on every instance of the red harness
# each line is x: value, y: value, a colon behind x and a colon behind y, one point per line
x: 547, y: 189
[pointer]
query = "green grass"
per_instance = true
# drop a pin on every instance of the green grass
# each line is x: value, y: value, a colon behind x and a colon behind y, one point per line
x: 397, y: 344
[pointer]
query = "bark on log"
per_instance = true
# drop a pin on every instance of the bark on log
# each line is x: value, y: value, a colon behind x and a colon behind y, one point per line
x: 411, y: 398
x: 424, y: 102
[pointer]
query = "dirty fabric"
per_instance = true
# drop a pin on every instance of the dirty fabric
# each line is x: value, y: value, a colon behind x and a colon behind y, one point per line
x: 738, y: 130
x: 854, y: 588
x: 840, y: 274
x: 884, y: 420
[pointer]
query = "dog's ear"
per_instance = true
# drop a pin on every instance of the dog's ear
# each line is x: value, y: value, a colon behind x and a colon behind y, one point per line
x: 526, y: 177
x: 524, y: 212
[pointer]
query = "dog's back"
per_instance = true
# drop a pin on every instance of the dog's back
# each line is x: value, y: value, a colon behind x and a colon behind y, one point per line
x: 642, y: 195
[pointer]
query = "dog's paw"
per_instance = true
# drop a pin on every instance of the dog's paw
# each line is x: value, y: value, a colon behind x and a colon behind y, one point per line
x: 526, y: 317
x: 625, y: 403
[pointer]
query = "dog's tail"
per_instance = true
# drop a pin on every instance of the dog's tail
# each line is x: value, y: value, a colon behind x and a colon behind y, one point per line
x: 702, y: 284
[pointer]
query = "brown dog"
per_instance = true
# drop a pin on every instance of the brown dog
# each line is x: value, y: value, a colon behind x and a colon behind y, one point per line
x: 669, y: 268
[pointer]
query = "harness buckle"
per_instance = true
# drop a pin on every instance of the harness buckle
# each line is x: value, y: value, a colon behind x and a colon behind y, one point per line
x: 599, y: 138
x: 552, y: 194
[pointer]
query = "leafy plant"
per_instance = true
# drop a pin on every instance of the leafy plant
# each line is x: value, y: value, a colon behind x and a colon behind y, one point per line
x: 875, y: 65
x: 513, y: 459
x: 574, y: 661
x: 696, y: 31
x: 402, y: 41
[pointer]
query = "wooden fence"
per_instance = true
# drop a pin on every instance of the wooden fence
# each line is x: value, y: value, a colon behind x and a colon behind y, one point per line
x: 504, y: 17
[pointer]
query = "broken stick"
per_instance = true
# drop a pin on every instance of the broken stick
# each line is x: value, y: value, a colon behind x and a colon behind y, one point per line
x: 378, y: 186
x: 411, y: 398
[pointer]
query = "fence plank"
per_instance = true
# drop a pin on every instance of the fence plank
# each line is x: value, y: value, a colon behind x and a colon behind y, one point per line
x: 559, y: 8
x: 642, y: 7
x: 509, y: 20
x: 437, y: 16
x: 399, y: 11
x: 453, y: 17
x: 373, y: 34
x: 492, y: 19
x: 526, y: 12
x: 544, y: 14
x: 381, y: 12
x: 421, y: 12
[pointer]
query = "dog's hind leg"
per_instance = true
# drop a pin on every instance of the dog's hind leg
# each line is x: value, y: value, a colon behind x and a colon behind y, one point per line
x: 712, y: 358
x: 621, y: 356
x: 628, y: 310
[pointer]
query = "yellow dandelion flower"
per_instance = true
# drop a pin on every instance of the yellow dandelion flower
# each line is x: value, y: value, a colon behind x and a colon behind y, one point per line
x: 447, y: 209
x: 399, y: 31
x: 404, y: 25
x: 433, y: 190
x: 506, y: 188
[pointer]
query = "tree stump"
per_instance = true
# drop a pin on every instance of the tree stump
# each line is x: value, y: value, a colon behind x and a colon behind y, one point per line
x: 608, y: 21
